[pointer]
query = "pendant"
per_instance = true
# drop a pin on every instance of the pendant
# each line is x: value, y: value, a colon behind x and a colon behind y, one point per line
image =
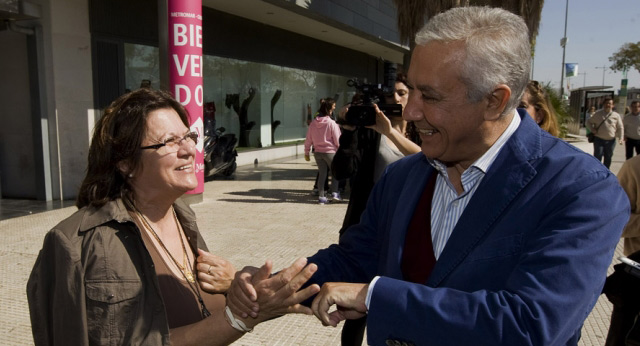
x: 189, y: 276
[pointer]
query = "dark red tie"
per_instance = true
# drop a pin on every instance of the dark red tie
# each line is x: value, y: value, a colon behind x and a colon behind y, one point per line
x: 418, y: 258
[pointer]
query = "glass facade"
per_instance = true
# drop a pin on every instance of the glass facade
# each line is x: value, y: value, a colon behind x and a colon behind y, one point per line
x: 262, y: 104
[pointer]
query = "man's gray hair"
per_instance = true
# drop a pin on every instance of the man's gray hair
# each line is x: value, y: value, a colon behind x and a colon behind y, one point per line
x: 497, y: 48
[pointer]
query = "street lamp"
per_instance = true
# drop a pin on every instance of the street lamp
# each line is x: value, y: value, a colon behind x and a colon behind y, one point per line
x: 584, y: 79
x: 563, y: 44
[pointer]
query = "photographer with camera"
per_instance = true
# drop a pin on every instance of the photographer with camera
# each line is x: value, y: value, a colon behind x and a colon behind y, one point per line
x: 363, y: 155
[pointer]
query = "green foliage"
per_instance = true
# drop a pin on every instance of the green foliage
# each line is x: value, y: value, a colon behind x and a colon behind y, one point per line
x: 626, y: 58
x: 560, y: 107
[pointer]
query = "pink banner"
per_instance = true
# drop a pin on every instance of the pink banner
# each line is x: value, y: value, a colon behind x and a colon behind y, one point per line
x: 185, y: 68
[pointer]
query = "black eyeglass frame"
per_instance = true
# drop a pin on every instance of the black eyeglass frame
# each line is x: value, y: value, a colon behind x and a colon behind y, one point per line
x: 190, y: 135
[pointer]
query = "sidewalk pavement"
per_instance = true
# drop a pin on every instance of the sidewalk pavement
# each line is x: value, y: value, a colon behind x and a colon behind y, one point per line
x: 266, y: 212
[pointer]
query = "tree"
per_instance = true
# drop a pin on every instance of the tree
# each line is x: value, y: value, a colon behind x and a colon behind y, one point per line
x: 412, y: 14
x: 626, y: 58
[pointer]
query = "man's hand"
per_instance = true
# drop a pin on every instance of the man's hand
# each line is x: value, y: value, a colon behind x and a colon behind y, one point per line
x: 280, y: 294
x: 214, y: 272
x: 349, y: 299
x: 307, y: 158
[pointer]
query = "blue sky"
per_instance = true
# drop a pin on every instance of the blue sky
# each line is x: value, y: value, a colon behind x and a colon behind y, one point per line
x: 596, y: 29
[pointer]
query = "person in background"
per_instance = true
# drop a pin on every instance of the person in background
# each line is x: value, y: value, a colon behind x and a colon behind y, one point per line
x: 588, y: 114
x: 324, y: 136
x: 498, y: 234
x: 622, y: 286
x: 629, y: 177
x: 310, y: 117
x: 606, y: 125
x: 537, y: 103
x: 122, y: 270
x: 631, y: 124
x: 363, y: 155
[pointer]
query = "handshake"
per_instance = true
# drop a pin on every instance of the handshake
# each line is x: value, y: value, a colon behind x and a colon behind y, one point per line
x: 255, y: 295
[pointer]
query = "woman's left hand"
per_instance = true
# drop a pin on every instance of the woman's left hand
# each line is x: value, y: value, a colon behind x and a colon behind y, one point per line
x: 215, y: 273
x: 383, y: 124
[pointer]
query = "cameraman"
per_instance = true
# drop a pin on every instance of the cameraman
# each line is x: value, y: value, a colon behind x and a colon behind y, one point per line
x: 363, y: 156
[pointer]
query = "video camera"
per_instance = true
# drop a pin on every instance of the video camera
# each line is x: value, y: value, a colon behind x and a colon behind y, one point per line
x: 363, y: 113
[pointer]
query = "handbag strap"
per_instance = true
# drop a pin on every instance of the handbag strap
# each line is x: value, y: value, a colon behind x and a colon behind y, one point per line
x: 603, y: 120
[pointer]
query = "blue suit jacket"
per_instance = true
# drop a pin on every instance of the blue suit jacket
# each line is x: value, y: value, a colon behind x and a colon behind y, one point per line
x: 524, y: 265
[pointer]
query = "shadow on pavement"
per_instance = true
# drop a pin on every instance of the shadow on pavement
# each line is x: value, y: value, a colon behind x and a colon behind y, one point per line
x: 275, y: 196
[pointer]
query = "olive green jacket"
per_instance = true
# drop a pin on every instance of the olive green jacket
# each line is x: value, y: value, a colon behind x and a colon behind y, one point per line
x: 94, y: 282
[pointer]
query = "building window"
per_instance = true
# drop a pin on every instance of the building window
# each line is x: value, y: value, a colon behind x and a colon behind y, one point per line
x: 262, y: 104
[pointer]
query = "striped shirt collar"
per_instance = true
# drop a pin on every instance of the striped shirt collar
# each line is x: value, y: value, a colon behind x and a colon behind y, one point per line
x: 484, y: 162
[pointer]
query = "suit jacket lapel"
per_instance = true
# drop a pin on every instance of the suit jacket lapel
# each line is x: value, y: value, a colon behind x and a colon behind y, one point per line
x: 507, y: 176
x: 412, y: 189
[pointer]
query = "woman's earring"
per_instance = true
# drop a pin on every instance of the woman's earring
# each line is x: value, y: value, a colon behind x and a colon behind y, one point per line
x: 130, y: 175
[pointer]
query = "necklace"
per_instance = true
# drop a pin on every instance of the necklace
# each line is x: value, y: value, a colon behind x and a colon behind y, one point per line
x: 184, y: 269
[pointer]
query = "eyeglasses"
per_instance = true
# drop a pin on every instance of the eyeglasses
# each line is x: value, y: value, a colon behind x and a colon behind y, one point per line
x: 173, y: 143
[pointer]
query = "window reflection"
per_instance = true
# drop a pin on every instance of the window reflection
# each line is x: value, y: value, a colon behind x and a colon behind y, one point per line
x: 262, y: 104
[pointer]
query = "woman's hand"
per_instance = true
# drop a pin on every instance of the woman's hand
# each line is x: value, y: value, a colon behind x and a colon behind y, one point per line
x: 242, y: 296
x: 215, y: 273
x: 383, y: 124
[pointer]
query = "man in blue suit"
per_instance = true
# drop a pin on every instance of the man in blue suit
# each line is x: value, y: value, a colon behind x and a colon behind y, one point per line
x: 498, y: 233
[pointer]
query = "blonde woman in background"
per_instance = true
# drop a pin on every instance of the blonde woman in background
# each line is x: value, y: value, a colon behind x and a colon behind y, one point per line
x: 536, y: 102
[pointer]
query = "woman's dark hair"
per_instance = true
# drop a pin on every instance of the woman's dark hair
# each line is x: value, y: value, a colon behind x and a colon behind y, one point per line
x: 116, y: 139
x: 411, y: 131
x: 402, y: 78
x: 325, y: 106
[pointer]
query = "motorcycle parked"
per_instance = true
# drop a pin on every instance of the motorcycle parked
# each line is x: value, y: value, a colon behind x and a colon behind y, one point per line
x: 219, y: 151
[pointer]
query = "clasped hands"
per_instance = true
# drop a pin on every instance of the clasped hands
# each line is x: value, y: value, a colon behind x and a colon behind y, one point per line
x: 253, y: 291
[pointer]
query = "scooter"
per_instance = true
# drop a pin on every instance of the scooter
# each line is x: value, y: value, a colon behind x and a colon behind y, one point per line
x: 219, y: 151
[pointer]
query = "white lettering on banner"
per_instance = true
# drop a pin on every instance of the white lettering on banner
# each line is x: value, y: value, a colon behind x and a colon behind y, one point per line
x: 186, y: 15
x: 187, y: 97
x: 196, y: 67
x: 180, y: 35
x: 182, y: 89
x: 196, y: 64
x: 181, y: 68
x: 199, y: 95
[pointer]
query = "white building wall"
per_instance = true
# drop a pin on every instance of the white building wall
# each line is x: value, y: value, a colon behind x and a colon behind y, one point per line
x: 73, y: 92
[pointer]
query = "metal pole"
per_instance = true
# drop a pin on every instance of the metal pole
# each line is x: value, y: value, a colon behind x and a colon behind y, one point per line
x: 532, y: 66
x: 584, y: 79
x: 59, y: 158
x: 563, y: 43
x: 604, y: 68
x: 163, y: 43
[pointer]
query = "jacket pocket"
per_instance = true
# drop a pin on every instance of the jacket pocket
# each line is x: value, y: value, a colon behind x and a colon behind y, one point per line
x: 112, y: 308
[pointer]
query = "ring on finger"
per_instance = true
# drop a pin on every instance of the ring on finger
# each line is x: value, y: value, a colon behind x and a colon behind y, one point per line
x: 209, y: 270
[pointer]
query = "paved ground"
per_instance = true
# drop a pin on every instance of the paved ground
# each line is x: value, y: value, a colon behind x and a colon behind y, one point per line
x: 266, y: 212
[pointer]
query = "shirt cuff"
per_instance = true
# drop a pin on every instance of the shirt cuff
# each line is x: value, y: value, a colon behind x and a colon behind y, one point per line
x: 370, y: 292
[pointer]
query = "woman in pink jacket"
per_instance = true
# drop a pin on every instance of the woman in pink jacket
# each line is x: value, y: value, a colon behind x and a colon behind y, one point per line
x: 324, y: 136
